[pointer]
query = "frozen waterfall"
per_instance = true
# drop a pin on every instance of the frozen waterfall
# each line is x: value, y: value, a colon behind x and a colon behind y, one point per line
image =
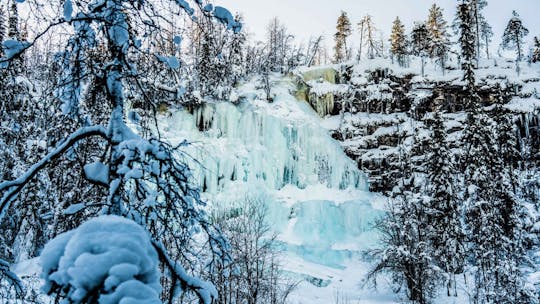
x: 317, y: 198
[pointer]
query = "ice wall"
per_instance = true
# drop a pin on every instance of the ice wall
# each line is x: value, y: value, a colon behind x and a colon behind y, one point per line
x: 279, y: 154
x: 260, y: 142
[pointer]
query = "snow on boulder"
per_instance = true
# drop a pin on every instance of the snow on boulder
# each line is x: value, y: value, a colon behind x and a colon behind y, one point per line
x: 108, y: 259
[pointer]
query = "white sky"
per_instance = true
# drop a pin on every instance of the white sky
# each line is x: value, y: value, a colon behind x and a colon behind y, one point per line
x: 305, y: 18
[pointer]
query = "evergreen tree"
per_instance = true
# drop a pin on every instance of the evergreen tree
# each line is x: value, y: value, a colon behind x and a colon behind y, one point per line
x: 420, y: 41
x: 536, y: 50
x: 408, y: 253
x: 341, y: 53
x: 398, y: 42
x: 13, y: 21
x: 466, y: 40
x: 367, y: 38
x: 514, y: 34
x: 444, y: 229
x: 438, y: 35
x: 493, y: 216
x: 236, y: 55
x: 481, y: 30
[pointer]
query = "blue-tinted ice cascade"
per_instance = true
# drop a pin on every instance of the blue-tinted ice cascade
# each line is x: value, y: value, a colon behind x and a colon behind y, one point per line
x: 316, y: 197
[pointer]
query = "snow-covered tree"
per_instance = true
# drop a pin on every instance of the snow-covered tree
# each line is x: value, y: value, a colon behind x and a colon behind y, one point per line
x: 444, y: 229
x: 481, y: 30
x: 420, y: 42
x: 493, y: 216
x: 438, y: 36
x: 486, y: 35
x: 514, y: 34
x: 398, y: 42
x: 536, y: 51
x: 125, y: 263
x: 407, y: 236
x: 236, y: 53
x: 314, y: 50
x: 343, y: 31
x: 143, y: 179
x: 368, y: 38
x: 466, y: 40
x: 13, y: 21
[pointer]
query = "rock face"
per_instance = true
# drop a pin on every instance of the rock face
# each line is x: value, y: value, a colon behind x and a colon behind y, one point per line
x: 381, y: 108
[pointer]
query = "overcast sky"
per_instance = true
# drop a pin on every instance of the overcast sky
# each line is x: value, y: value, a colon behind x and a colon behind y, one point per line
x: 305, y: 18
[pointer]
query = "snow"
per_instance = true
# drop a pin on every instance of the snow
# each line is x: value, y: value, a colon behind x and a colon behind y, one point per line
x: 108, y: 254
x: 68, y: 10
x: 97, y: 172
x: 13, y: 47
x: 74, y: 208
x: 224, y: 16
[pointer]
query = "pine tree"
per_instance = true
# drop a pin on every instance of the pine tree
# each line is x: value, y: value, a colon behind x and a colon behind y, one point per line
x: 514, y: 34
x: 398, y: 42
x: 444, y: 229
x: 478, y: 20
x: 367, y: 38
x: 466, y: 40
x: 420, y: 41
x: 486, y: 33
x: 439, y: 37
x: 343, y: 28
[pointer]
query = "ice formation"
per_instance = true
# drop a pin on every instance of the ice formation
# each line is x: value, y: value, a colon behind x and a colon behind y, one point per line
x: 317, y: 198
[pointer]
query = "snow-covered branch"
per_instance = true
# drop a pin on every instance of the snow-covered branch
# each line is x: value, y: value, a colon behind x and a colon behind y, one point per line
x: 12, y: 188
x: 204, y: 290
x: 11, y: 277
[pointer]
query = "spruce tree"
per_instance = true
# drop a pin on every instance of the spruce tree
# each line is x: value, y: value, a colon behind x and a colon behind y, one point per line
x: 438, y: 36
x: 444, y: 229
x: 236, y: 55
x: 481, y: 30
x: 466, y: 40
x: 514, y: 34
x: 493, y: 216
x: 343, y: 28
x: 398, y: 42
x: 420, y: 42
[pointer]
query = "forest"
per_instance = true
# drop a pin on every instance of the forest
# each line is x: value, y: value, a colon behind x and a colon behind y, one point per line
x: 157, y: 152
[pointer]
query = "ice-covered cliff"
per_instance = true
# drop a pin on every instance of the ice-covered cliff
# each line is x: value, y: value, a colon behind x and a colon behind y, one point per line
x: 278, y: 152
